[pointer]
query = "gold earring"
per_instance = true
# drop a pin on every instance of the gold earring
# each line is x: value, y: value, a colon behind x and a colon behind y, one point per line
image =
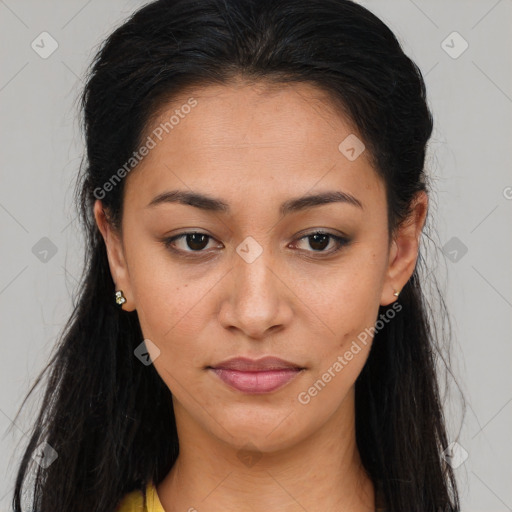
x: 120, y: 298
x: 396, y: 294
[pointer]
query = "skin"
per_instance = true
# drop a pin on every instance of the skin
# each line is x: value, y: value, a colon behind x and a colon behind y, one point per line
x: 256, y: 146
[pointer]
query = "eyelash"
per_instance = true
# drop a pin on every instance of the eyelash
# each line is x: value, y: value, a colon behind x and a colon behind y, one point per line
x: 340, y: 240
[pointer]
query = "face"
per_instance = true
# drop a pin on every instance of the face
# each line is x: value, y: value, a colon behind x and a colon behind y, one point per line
x: 265, y: 274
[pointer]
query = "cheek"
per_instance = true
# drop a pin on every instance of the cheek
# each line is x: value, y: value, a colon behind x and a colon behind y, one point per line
x: 349, y: 308
x: 340, y: 359
x: 351, y: 301
x: 172, y: 316
x: 170, y: 306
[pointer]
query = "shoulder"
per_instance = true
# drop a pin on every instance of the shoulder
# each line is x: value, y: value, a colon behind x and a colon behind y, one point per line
x: 134, y: 501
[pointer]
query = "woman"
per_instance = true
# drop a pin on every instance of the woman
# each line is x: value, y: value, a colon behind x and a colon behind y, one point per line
x: 251, y: 331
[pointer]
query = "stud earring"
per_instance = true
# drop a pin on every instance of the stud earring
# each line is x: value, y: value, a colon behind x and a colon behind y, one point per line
x: 120, y: 298
x: 397, y: 293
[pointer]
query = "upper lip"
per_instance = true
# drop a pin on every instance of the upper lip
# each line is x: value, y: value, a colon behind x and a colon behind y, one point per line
x: 263, y: 364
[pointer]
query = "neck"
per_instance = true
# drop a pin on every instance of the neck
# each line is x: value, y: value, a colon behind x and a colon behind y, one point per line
x: 321, y: 472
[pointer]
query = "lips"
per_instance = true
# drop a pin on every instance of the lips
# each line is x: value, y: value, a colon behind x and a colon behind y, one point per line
x: 244, y: 364
x: 256, y: 376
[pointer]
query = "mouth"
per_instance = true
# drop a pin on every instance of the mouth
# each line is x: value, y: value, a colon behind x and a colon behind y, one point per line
x: 256, y: 376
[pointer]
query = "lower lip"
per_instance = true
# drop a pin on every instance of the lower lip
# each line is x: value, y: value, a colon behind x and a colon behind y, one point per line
x: 256, y: 382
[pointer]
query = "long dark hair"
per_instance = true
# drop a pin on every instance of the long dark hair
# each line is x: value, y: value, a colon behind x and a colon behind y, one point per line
x: 108, y: 417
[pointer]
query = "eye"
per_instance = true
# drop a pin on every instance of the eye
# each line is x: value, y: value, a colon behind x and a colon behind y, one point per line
x: 319, y: 240
x: 194, y: 240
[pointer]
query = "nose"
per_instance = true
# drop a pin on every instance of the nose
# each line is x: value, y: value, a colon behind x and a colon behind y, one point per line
x: 257, y: 299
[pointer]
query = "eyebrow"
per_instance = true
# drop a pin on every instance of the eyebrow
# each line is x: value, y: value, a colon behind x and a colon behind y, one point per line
x: 209, y: 203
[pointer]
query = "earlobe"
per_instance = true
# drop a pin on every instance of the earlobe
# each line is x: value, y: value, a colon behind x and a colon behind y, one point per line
x: 116, y: 258
x: 404, y: 250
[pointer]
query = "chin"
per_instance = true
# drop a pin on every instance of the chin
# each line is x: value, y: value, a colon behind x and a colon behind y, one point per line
x: 265, y: 432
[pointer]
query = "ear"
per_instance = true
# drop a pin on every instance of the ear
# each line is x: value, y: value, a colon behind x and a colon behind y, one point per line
x: 404, y: 249
x: 115, y: 254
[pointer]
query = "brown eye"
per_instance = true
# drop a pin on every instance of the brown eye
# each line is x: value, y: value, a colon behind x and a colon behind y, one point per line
x: 196, y: 242
x: 192, y: 242
x: 320, y: 240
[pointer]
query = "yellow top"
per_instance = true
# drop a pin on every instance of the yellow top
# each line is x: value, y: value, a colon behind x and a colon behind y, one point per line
x: 134, y: 501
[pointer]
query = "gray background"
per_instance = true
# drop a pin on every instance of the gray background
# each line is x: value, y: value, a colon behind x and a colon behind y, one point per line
x: 469, y: 159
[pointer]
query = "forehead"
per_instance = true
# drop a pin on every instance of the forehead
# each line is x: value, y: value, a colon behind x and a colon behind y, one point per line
x: 242, y: 116
x: 265, y: 140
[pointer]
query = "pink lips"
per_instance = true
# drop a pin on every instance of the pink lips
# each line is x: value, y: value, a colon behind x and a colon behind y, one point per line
x: 256, y: 376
